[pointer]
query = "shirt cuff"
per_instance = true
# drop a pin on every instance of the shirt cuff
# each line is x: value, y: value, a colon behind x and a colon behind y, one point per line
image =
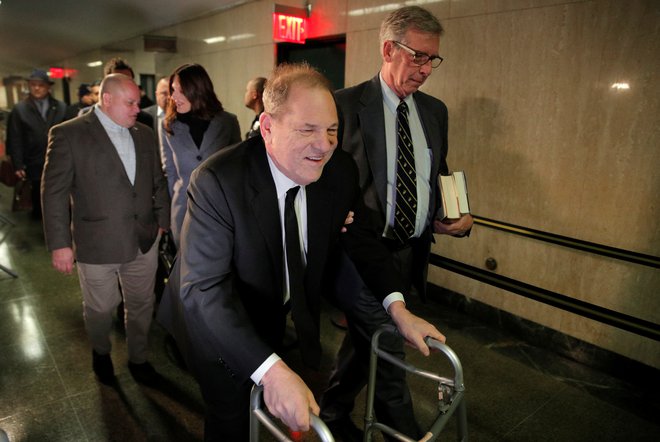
x: 395, y: 296
x: 263, y: 368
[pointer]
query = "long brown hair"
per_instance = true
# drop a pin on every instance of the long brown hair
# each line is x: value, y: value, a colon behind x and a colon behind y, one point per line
x: 198, y: 89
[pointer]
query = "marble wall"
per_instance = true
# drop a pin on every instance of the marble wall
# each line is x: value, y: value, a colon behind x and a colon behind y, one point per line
x: 544, y: 138
x: 547, y: 143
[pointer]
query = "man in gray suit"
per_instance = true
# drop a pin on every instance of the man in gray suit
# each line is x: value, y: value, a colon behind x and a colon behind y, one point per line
x: 105, y: 203
x: 388, y: 126
x: 157, y: 111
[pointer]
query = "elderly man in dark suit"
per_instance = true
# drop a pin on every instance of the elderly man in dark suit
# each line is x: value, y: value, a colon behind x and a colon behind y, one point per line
x: 398, y: 138
x: 264, y: 220
x: 105, y: 203
x: 27, y: 132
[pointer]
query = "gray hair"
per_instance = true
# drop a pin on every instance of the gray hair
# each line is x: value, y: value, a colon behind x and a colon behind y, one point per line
x: 398, y: 22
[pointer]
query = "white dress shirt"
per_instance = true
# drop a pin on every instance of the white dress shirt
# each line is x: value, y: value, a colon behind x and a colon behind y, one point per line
x: 122, y: 140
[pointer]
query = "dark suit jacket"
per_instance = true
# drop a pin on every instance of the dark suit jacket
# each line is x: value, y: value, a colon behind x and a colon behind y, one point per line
x: 89, y: 202
x: 363, y: 136
x: 27, y: 134
x: 224, y: 298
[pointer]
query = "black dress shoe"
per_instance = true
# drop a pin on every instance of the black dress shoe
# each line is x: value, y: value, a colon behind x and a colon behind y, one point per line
x: 144, y: 373
x: 344, y: 430
x: 102, y: 366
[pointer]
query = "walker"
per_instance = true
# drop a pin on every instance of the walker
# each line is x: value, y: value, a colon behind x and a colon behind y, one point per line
x: 450, y: 391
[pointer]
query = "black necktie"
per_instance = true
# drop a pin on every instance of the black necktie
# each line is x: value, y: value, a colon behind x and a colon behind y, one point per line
x: 406, y: 179
x: 306, y: 327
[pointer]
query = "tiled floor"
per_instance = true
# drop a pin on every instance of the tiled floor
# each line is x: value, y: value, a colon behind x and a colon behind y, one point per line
x: 514, y: 391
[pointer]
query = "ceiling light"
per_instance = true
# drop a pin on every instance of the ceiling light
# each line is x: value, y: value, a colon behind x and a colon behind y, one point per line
x: 218, y: 39
x: 93, y: 64
x: 240, y: 37
x: 621, y: 86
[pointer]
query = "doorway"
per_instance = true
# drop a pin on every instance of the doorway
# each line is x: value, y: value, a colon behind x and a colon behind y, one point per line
x: 328, y: 55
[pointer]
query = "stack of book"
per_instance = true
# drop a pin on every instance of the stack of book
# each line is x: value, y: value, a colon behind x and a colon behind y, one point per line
x: 454, y: 196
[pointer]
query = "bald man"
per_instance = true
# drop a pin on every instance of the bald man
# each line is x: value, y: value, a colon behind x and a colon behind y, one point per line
x: 102, y: 214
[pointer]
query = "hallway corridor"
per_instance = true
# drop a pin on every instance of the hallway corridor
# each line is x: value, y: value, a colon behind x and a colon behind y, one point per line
x: 514, y: 391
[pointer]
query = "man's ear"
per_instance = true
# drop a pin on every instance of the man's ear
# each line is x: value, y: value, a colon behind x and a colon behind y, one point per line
x: 106, y: 98
x: 387, y: 50
x: 265, y: 125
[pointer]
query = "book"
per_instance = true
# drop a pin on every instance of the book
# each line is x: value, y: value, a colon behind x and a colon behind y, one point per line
x: 454, y: 195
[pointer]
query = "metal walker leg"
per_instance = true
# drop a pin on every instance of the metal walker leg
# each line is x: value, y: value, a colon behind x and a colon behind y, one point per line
x: 450, y: 391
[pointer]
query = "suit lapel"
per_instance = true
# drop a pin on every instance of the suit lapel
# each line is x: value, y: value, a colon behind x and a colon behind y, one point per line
x: 105, y: 147
x: 139, y: 158
x: 263, y: 202
x: 372, y: 124
x: 182, y: 137
x: 37, y: 118
x: 51, y: 112
x: 211, y: 135
x: 372, y: 119
x: 431, y: 132
x: 319, y: 218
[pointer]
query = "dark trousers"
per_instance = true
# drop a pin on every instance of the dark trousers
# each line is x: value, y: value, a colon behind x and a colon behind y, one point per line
x: 227, y: 404
x: 365, y: 314
x: 36, y: 199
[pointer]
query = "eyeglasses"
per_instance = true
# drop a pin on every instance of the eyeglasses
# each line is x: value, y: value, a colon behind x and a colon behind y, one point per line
x: 420, y: 58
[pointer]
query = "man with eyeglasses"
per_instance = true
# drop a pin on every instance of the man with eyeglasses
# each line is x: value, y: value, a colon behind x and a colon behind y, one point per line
x: 398, y: 138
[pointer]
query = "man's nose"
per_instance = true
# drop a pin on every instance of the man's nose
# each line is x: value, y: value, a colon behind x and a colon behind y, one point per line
x: 426, y: 69
x: 326, y: 142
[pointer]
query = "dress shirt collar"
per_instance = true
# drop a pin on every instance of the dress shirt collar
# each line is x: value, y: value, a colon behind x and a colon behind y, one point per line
x: 282, y: 182
x: 390, y: 99
x: 106, y: 121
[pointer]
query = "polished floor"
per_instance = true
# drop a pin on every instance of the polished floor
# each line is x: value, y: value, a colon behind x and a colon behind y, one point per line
x: 515, y: 391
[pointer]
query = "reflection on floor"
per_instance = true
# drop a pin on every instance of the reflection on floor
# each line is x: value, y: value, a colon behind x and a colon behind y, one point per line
x: 514, y: 391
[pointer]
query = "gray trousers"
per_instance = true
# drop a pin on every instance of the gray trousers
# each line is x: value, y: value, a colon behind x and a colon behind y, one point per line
x: 101, y: 295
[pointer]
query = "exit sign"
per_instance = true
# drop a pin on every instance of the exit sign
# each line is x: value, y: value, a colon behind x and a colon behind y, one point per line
x: 62, y: 73
x: 289, y: 28
x: 290, y: 24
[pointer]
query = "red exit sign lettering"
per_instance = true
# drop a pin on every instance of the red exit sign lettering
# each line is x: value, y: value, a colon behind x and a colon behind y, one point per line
x: 289, y: 28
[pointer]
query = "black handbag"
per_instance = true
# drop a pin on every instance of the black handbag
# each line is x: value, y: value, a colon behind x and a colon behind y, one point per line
x: 167, y: 250
x: 7, y: 173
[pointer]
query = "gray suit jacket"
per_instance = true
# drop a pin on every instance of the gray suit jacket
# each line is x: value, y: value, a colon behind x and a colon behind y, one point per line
x: 88, y: 201
x: 153, y: 111
x: 362, y: 135
x: 181, y: 156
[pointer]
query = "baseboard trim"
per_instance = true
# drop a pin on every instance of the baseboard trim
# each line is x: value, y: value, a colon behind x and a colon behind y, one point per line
x: 552, y: 340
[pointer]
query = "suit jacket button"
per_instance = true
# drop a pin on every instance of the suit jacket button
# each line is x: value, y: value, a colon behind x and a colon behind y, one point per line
x: 199, y: 158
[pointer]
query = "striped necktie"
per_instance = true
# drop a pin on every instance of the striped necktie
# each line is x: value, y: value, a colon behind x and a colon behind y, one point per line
x: 406, y: 179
